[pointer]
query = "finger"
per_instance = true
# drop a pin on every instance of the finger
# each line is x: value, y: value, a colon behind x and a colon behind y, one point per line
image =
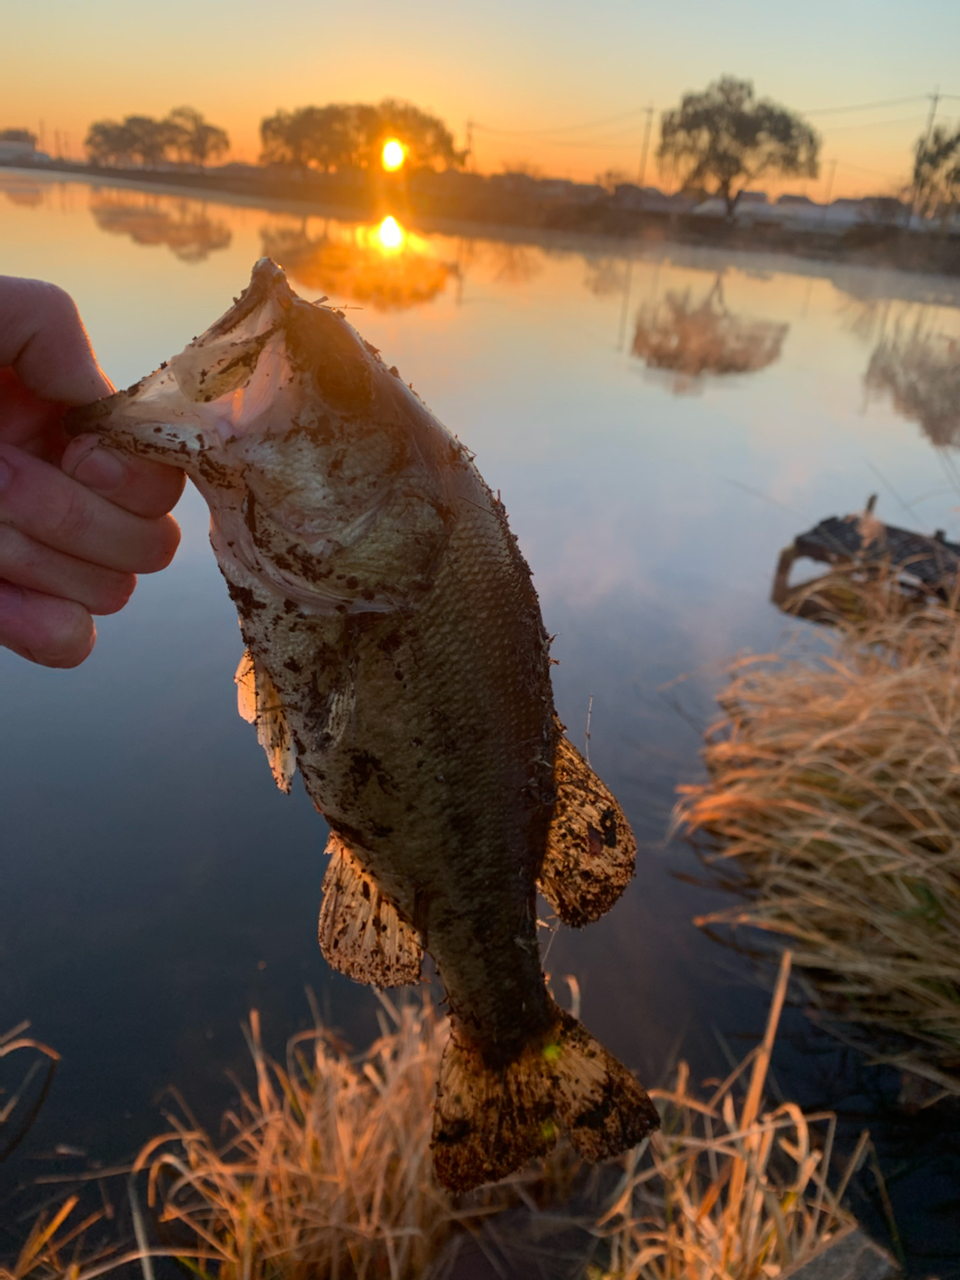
x: 53, y: 509
x: 29, y: 422
x: 43, y: 338
x: 26, y: 563
x: 43, y: 629
x: 139, y: 485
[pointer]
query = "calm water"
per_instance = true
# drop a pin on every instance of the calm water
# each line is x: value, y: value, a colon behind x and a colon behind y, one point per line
x: 154, y: 884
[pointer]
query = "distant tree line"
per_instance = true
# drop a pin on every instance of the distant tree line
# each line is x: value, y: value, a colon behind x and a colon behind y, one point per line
x: 351, y: 136
x: 182, y: 137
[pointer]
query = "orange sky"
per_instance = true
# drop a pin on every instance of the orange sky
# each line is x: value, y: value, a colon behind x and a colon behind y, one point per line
x: 531, y: 74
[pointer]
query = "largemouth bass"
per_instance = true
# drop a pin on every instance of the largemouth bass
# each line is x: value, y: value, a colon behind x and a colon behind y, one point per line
x: 397, y: 658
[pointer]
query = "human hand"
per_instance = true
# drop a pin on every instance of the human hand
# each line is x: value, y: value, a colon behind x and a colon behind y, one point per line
x: 78, y: 521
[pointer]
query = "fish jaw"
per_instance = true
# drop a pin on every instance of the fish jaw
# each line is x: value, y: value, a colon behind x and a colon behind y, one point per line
x: 326, y: 478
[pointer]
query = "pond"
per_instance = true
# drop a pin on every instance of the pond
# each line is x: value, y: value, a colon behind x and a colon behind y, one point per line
x: 155, y: 885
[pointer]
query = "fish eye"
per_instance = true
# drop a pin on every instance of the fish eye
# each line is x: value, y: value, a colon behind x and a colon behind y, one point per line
x: 323, y: 344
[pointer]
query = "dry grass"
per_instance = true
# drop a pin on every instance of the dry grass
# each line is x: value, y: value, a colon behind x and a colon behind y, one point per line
x: 728, y: 1193
x: 834, y: 797
x: 17, y: 1114
x: 327, y: 1173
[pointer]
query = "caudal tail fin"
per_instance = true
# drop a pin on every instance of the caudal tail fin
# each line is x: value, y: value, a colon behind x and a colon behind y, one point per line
x: 489, y: 1121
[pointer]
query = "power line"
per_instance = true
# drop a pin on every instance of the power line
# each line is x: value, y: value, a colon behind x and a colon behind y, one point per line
x: 571, y: 128
x: 865, y: 106
x: 638, y: 111
x: 877, y: 124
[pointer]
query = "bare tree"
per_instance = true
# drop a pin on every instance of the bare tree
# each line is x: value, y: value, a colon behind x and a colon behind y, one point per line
x: 727, y: 137
x: 351, y: 136
x: 196, y: 140
x: 308, y: 136
x: 936, y: 174
x: 143, y: 140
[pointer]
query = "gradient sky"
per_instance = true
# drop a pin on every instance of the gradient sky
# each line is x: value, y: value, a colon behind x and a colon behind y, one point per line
x: 523, y: 65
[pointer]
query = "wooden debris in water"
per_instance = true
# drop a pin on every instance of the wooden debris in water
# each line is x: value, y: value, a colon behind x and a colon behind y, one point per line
x: 834, y: 802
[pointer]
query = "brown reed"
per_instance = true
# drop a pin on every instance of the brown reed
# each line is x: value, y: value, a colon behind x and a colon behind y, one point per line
x: 833, y: 802
x: 327, y: 1173
x: 728, y: 1193
x: 327, y: 1170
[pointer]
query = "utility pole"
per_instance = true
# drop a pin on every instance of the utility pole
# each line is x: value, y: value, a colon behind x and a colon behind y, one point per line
x: 934, y: 100
x: 915, y: 191
x: 470, y: 160
x: 646, y: 146
x: 829, y: 192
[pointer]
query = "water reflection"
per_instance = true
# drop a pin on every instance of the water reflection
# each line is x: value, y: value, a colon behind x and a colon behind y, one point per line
x: 651, y: 522
x: 382, y: 265
x: 694, y: 340
x: 27, y: 196
x: 182, y: 225
x: 921, y: 374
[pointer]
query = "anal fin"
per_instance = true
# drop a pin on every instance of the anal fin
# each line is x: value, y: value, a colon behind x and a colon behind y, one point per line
x: 361, y: 931
x: 590, y: 853
x: 259, y: 703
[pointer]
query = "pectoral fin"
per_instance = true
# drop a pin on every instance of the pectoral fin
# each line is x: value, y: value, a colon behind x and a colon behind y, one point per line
x: 591, y: 851
x: 361, y: 932
x: 259, y: 703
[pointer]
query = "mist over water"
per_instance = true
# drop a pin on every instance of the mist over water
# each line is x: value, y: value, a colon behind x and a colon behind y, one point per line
x: 659, y: 420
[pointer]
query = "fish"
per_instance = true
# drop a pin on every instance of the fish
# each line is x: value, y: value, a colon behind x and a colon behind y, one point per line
x: 396, y: 657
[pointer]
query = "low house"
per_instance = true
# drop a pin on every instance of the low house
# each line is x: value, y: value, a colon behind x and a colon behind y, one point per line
x: 18, y: 146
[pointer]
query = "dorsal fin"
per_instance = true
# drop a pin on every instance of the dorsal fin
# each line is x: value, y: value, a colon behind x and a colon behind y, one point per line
x: 591, y: 852
x: 361, y: 931
x: 259, y: 703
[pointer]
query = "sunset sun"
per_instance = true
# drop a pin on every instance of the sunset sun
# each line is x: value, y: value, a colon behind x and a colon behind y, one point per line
x: 393, y: 156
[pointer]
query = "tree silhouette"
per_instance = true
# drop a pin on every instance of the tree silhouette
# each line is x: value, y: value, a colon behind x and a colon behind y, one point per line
x: 309, y: 136
x: 727, y: 137
x: 692, y: 341
x: 351, y: 136
x: 143, y: 140
x: 193, y: 138
x: 936, y: 173
x: 921, y: 374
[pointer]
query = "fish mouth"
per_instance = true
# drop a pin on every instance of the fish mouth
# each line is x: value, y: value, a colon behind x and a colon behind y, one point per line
x: 213, y: 392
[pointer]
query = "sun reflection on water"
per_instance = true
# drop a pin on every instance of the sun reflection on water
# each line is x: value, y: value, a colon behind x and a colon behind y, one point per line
x: 392, y: 235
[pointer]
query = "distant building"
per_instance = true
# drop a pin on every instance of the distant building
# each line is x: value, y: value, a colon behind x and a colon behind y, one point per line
x: 19, y: 146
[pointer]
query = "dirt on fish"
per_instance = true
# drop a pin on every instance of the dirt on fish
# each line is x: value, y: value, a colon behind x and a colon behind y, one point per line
x: 396, y: 656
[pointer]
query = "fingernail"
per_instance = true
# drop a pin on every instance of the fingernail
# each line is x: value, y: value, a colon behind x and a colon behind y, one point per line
x: 99, y: 470
x: 6, y: 474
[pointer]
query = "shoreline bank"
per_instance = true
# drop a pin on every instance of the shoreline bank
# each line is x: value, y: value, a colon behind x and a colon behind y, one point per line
x: 511, y: 203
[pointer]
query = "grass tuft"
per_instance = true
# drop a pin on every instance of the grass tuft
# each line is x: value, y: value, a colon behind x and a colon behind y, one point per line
x: 326, y: 1172
x: 834, y: 802
x: 729, y: 1191
x: 327, y: 1169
